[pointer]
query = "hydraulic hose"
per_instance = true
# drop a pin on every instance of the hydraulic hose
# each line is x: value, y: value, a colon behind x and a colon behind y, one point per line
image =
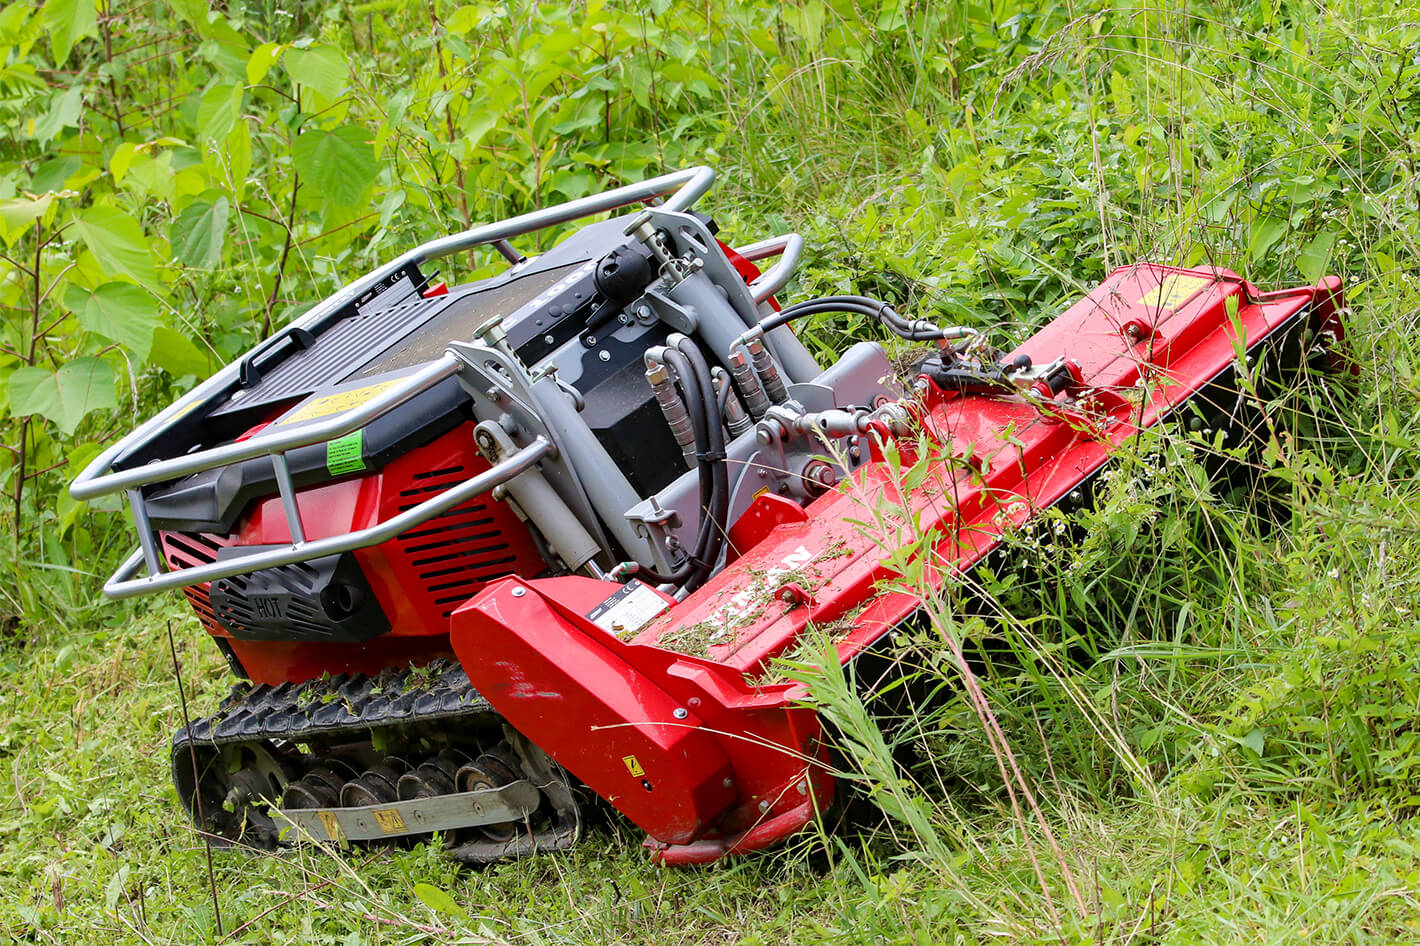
x: 917, y: 330
x: 697, y: 388
x: 711, y: 539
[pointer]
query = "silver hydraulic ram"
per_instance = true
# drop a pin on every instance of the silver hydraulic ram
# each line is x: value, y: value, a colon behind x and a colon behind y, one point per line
x: 537, y: 500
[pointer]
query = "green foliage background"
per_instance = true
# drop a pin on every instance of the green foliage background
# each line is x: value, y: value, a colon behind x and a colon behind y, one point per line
x: 1237, y: 762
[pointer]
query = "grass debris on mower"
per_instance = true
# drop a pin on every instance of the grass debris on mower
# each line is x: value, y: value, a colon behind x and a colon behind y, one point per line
x: 475, y: 550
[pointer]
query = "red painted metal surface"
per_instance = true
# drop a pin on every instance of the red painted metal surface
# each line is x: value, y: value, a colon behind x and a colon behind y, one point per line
x: 684, y: 747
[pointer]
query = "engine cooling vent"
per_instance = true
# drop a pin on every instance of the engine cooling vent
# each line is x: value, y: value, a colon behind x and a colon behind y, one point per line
x: 457, y: 552
x: 188, y: 550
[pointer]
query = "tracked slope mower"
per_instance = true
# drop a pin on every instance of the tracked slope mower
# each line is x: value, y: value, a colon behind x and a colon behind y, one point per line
x: 478, y: 552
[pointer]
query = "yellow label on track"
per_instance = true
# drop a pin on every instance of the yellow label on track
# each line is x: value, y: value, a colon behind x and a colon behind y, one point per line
x: 389, y: 820
x: 335, y: 403
x: 633, y: 766
x: 332, y: 827
x: 1174, y: 291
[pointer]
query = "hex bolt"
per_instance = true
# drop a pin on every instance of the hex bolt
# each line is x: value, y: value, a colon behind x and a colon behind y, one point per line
x: 764, y: 805
x: 680, y: 712
x: 728, y: 782
x: 803, y: 788
x: 549, y: 339
x: 1076, y: 497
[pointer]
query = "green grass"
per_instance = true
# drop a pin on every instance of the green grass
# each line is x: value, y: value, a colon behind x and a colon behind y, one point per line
x: 1196, y: 722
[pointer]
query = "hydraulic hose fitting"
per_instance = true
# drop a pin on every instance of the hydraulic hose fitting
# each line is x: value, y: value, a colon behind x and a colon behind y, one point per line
x: 734, y: 414
x: 748, y: 383
x: 767, y: 370
x: 672, y: 407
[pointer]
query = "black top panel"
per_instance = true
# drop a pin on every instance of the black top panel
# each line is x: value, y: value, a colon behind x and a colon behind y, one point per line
x: 378, y: 337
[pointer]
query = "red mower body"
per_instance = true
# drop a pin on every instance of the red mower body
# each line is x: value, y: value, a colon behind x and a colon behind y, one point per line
x: 616, y: 598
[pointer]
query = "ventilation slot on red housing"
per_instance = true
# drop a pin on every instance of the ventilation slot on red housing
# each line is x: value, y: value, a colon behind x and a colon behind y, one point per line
x: 458, y: 551
x: 189, y: 550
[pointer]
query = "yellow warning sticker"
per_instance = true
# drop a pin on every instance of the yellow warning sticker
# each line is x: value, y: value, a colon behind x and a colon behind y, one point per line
x: 1174, y: 291
x: 389, y: 820
x: 632, y: 766
x: 332, y: 827
x: 334, y: 403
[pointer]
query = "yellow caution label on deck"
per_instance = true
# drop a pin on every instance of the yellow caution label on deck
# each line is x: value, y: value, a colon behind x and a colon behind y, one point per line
x: 332, y: 827
x: 632, y: 766
x: 335, y: 403
x: 1174, y: 291
x: 389, y: 820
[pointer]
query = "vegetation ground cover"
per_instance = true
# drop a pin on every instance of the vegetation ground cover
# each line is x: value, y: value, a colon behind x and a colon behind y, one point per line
x: 1211, y: 696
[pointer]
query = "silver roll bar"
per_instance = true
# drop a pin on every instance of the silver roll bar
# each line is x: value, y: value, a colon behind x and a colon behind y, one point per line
x: 789, y: 247
x: 123, y: 584
x: 684, y: 187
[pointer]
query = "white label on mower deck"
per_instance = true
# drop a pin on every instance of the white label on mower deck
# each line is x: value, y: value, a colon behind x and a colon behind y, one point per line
x: 385, y: 297
x: 629, y: 610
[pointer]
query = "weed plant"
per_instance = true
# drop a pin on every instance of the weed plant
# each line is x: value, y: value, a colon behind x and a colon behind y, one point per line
x: 1190, y: 718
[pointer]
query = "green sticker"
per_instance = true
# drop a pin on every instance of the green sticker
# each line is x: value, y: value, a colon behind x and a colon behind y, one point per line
x: 345, y: 454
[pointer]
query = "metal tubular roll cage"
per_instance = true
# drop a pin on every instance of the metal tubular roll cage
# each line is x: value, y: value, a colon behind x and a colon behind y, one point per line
x: 681, y: 188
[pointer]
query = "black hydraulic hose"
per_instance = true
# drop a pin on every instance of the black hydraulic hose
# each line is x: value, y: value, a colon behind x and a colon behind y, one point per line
x: 701, y: 400
x: 715, y: 515
x: 706, y: 411
x: 915, y: 330
x: 684, y: 376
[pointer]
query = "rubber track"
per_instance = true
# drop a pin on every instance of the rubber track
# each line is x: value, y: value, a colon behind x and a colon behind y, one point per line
x: 297, y: 712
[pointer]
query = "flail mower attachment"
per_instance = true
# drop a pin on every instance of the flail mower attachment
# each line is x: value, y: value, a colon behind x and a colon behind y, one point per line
x: 479, y: 551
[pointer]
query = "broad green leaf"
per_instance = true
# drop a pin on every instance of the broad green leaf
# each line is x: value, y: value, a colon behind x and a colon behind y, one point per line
x: 117, y: 242
x: 1315, y: 256
x: 238, y: 160
x: 19, y: 214
x: 67, y: 21
x: 54, y: 174
x: 336, y: 165
x: 321, y: 68
x: 122, y: 159
x: 1266, y: 231
x: 175, y: 353
x: 63, y: 112
x: 261, y: 61
x: 437, y: 900
x: 1256, y: 741
x: 218, y: 110
x: 124, y: 313
x: 199, y: 231
x: 64, y: 396
x: 463, y: 20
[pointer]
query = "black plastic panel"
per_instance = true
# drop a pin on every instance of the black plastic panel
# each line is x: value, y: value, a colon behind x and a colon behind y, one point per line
x: 324, y: 599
